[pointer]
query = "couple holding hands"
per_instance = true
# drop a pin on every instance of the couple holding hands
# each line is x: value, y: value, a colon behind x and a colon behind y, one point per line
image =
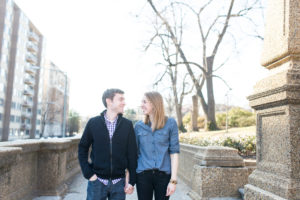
x: 122, y: 155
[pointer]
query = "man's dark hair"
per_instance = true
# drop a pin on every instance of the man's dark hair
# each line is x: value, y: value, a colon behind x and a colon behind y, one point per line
x: 109, y: 94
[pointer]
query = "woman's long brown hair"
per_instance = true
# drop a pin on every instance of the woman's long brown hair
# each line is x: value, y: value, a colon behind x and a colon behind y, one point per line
x: 159, y: 118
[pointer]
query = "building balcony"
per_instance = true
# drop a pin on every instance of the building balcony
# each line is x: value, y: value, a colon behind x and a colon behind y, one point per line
x: 29, y: 69
x: 28, y: 92
x: 29, y: 80
x: 31, y: 58
x: 27, y: 104
x: 33, y: 37
x: 32, y: 47
x: 25, y: 114
x: 25, y: 126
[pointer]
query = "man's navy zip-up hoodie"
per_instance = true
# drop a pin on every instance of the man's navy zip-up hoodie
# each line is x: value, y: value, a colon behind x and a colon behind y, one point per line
x: 109, y: 158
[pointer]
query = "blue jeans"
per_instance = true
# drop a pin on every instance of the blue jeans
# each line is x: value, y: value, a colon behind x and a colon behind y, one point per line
x: 98, y: 191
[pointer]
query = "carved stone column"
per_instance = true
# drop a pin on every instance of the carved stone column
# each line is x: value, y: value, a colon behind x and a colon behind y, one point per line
x: 276, y: 100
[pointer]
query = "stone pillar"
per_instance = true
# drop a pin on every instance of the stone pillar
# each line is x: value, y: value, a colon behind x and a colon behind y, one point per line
x: 218, y: 173
x: 52, y: 160
x: 8, y: 158
x: 276, y: 100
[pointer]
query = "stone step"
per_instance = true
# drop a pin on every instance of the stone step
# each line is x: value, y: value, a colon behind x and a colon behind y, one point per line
x: 48, y: 198
x: 225, y: 198
x: 242, y: 192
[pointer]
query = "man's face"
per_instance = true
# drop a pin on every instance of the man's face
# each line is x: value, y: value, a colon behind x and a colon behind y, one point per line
x: 117, y: 104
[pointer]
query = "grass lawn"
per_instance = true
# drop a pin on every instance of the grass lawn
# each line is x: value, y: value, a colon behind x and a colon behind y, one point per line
x: 232, y: 132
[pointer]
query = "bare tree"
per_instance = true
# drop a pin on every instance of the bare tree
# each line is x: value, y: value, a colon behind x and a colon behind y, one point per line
x: 171, y: 60
x: 213, y: 36
x: 170, y: 104
x: 195, y: 112
x: 49, y: 112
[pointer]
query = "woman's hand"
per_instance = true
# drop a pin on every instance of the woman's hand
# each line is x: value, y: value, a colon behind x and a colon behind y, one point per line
x: 171, y: 189
x: 128, y: 188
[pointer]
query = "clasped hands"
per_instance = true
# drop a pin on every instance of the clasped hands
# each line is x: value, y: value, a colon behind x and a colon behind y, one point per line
x: 128, y: 189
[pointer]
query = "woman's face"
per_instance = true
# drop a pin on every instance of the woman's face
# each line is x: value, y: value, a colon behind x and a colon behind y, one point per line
x: 146, y: 106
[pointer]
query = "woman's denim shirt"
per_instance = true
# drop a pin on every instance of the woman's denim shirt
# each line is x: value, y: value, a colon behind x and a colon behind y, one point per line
x: 154, y: 148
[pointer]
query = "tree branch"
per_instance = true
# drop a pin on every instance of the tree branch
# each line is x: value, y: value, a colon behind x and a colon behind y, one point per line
x: 196, y: 64
x: 174, y: 39
x: 160, y: 79
x: 220, y: 38
x: 222, y: 80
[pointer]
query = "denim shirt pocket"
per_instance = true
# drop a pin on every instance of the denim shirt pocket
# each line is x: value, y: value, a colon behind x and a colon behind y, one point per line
x: 163, y: 137
x: 143, y: 136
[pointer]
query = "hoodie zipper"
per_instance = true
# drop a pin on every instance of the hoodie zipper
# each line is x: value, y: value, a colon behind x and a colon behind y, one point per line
x: 110, y: 142
x: 111, y: 166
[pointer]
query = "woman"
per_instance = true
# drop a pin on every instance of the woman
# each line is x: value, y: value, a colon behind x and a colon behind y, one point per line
x: 158, y: 149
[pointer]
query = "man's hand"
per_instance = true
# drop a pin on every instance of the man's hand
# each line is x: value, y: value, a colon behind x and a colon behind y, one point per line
x: 93, y: 178
x: 171, y: 189
x: 128, y: 189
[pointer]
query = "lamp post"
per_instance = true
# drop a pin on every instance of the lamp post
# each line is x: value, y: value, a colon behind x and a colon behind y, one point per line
x: 226, y: 95
x: 65, y: 96
x: 65, y: 105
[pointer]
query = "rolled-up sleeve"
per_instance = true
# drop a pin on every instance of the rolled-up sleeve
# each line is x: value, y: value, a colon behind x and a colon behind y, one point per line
x: 174, y: 138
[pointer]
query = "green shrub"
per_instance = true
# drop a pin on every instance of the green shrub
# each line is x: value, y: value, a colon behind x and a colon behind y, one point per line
x: 201, y: 122
x: 245, y: 145
x: 237, y: 117
x: 187, y: 121
x: 247, y: 121
x: 221, y: 119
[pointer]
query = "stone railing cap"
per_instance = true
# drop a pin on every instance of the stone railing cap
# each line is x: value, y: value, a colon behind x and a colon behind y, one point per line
x: 9, y: 150
x: 55, y: 144
x: 219, y: 156
x: 26, y: 145
x: 8, y: 155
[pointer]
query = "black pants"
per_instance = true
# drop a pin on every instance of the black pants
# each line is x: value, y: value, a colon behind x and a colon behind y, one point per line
x: 152, y: 181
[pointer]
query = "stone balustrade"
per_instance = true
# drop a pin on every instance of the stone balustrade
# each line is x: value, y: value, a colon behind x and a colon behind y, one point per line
x: 31, y: 168
x: 213, y: 172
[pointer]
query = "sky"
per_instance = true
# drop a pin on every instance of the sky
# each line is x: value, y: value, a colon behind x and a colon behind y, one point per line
x: 100, y: 44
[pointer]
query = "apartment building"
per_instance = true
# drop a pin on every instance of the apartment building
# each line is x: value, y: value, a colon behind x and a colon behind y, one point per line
x: 21, y: 57
x: 55, y: 101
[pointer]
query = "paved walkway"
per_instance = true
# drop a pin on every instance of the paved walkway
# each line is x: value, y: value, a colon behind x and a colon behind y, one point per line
x: 77, y: 190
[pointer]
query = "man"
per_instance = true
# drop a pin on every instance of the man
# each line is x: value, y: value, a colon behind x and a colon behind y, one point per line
x: 113, y: 151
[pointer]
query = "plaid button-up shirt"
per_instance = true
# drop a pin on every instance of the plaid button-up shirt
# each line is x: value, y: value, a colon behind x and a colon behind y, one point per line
x: 111, y: 127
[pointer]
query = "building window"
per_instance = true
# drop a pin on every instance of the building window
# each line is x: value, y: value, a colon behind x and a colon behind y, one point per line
x: 1, y: 102
x: 12, y: 118
x: 2, y: 87
x: 13, y: 105
x: 0, y: 116
x: 18, y: 119
x: 11, y: 131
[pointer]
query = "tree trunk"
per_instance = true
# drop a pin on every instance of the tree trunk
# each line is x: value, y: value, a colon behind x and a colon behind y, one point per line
x: 210, y: 119
x: 195, y: 113
x: 179, y: 118
x: 178, y: 112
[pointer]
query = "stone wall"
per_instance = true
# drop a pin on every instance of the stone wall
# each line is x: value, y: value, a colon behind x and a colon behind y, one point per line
x: 36, y: 167
x: 213, y: 172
